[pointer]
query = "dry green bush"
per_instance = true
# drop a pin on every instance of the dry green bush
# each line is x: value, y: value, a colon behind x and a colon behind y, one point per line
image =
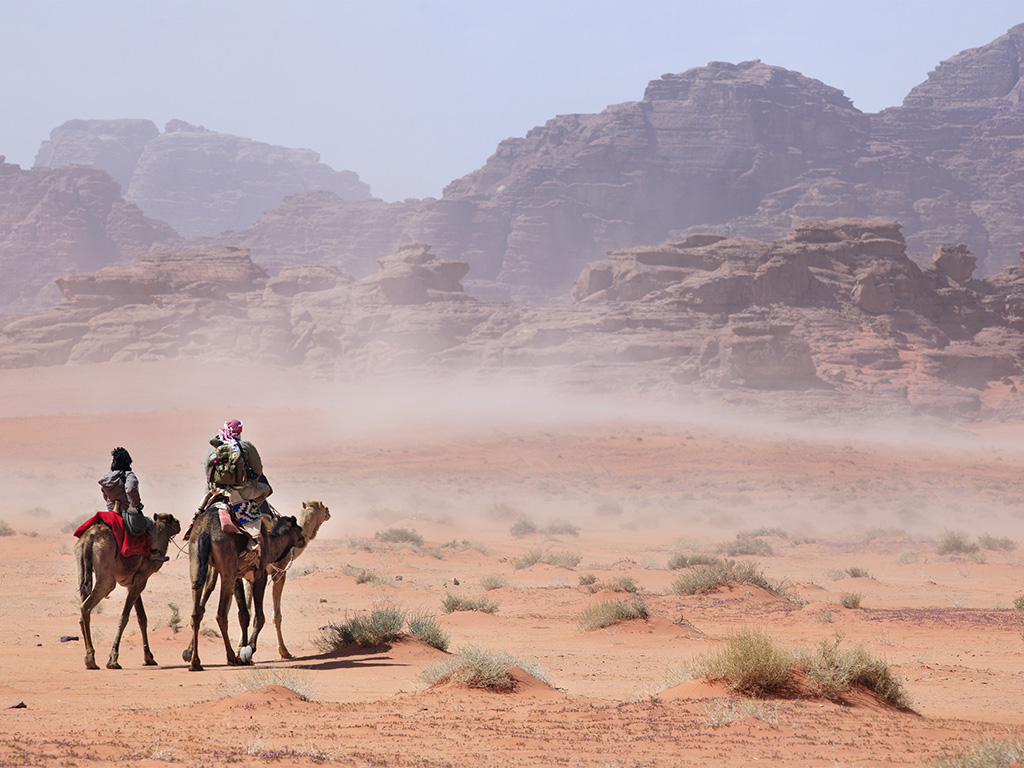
x: 830, y: 672
x: 522, y: 528
x: 608, y: 612
x: 557, y: 559
x: 704, y: 578
x: 682, y: 560
x: 399, y: 536
x: 364, y: 575
x: 621, y: 584
x: 1018, y: 602
x: 586, y: 579
x: 5, y: 529
x: 424, y: 626
x: 487, y: 583
x: 371, y: 629
x: 750, y: 664
x: 608, y: 509
x: 1001, y: 544
x: 476, y: 667
x: 986, y: 753
x: 453, y: 603
x: 746, y: 545
x: 858, y: 573
x: 955, y: 543
x: 850, y: 599
x: 465, y: 545
x: 561, y: 529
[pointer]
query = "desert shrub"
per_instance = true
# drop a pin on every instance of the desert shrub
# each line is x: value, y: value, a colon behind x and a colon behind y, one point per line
x: 850, y: 599
x: 704, y: 578
x: 466, y: 544
x: 761, y: 532
x: 875, y: 534
x: 522, y: 528
x: 999, y: 544
x: 399, y: 536
x: 454, y: 603
x: 297, y: 681
x: 955, y: 543
x: 557, y: 559
x: 830, y: 672
x: 682, y: 560
x: 986, y: 753
x: 1018, y: 602
x: 365, y: 575
x: 424, y: 626
x: 476, y: 667
x: 502, y: 511
x: 621, y: 584
x: 175, y: 621
x: 746, y: 545
x: 586, y: 579
x: 907, y: 558
x: 750, y: 664
x: 487, y: 583
x: 608, y: 509
x: 371, y: 629
x: 73, y: 524
x: 834, y: 574
x: 607, y: 612
x: 561, y: 529
x: 5, y: 529
x: 824, y: 616
x: 37, y: 512
x: 857, y: 573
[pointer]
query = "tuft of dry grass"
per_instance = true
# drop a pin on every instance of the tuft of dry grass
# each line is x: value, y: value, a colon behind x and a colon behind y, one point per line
x: 682, y: 560
x: 557, y: 559
x: 453, y: 603
x: 297, y: 681
x: 477, y: 667
x: 487, y: 583
x: 986, y: 753
x: 607, y: 612
x: 850, y: 599
x: 371, y: 629
x: 955, y: 543
x: 750, y: 664
x: 704, y: 578
x: 831, y: 672
x: 399, y: 536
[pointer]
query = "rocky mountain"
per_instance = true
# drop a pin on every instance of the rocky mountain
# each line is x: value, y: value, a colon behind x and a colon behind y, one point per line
x: 200, y: 181
x: 55, y: 221
x: 736, y: 149
x: 836, y: 316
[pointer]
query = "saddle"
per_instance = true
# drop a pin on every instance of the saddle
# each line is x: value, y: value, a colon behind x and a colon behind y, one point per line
x: 242, y: 517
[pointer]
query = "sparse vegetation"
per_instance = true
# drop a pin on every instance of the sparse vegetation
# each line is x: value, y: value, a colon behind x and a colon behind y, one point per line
x: 365, y: 575
x: 621, y: 584
x: 607, y: 612
x: 70, y: 525
x: 424, y: 626
x: 830, y: 672
x: 522, y: 528
x: 850, y: 599
x: 986, y: 753
x: 557, y: 559
x: 302, y: 683
x: 465, y: 545
x: 502, y: 511
x: 682, y: 560
x: 399, y: 536
x: 6, y: 530
x: 1018, y: 602
x: 453, y: 603
x: 719, y: 712
x: 857, y: 573
x: 955, y: 543
x: 476, y: 667
x: 746, y: 545
x: 704, y: 578
x: 175, y: 621
x: 750, y: 664
x: 487, y: 583
x: 372, y: 629
x: 586, y: 579
x: 1001, y: 544
x: 608, y: 509
x: 561, y: 529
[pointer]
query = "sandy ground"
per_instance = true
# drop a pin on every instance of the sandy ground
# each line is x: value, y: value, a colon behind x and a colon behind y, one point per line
x: 459, y: 465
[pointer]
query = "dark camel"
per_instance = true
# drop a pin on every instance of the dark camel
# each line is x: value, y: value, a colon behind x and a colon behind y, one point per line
x: 101, y: 567
x: 215, y: 554
x: 313, y: 515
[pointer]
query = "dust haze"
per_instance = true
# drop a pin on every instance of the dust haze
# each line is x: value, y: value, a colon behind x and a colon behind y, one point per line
x: 459, y: 457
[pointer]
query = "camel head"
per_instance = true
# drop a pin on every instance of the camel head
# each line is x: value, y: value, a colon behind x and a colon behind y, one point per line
x: 170, y: 522
x: 313, y: 515
x: 289, y: 526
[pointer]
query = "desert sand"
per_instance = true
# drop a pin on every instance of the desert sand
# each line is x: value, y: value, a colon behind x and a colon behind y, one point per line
x: 459, y: 463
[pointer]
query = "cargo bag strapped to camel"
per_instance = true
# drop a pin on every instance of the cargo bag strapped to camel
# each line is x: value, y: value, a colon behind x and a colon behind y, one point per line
x: 240, y: 516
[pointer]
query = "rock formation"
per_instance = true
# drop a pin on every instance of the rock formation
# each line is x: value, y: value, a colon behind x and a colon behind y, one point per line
x: 55, y: 221
x: 835, y: 316
x: 200, y: 181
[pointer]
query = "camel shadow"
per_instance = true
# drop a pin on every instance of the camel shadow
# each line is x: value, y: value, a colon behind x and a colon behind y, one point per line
x: 349, y: 658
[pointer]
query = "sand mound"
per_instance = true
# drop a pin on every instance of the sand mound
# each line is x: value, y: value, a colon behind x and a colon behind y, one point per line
x: 268, y: 697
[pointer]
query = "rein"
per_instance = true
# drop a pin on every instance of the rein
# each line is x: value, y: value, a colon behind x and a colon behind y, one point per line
x: 278, y: 570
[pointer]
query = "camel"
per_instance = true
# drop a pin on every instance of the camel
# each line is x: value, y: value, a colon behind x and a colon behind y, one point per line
x: 214, y: 553
x: 101, y: 567
x: 313, y: 515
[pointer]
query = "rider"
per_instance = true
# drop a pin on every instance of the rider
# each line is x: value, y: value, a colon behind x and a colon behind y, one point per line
x: 249, y: 484
x: 120, y: 488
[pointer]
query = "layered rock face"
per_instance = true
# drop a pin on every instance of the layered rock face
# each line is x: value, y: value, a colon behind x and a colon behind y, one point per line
x: 200, y: 181
x: 55, y: 221
x: 834, y: 317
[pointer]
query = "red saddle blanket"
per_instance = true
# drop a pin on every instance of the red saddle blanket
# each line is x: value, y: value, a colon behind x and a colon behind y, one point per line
x: 128, y: 545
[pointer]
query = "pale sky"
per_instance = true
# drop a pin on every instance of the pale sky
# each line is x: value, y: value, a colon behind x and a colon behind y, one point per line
x: 412, y: 95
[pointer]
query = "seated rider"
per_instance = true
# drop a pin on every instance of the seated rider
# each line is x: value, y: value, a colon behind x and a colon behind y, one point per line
x: 247, y: 486
x: 120, y: 488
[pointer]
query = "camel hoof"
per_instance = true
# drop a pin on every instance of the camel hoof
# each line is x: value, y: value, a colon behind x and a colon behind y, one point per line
x: 91, y: 664
x: 150, y: 663
x: 113, y: 665
x: 285, y: 653
x: 196, y: 668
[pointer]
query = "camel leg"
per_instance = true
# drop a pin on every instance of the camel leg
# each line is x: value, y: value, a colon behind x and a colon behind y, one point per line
x: 243, y: 612
x: 203, y: 596
x: 227, y: 588
x: 129, y: 603
x: 140, y: 614
x: 276, y: 591
x: 259, y: 588
x: 104, y: 586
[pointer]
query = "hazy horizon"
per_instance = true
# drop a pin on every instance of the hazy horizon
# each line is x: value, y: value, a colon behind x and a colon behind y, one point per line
x: 412, y: 95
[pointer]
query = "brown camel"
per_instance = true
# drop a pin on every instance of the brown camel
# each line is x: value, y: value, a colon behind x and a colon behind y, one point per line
x: 214, y: 553
x: 101, y: 567
x: 313, y: 515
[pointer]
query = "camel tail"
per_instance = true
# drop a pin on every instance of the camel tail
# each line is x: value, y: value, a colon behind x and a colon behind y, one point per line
x: 85, y: 569
x: 203, y: 549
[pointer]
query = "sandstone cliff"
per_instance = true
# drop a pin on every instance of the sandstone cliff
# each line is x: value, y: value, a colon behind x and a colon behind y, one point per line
x: 836, y: 316
x: 200, y: 181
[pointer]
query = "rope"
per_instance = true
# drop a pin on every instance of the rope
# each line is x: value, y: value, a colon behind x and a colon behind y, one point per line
x: 278, y: 570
